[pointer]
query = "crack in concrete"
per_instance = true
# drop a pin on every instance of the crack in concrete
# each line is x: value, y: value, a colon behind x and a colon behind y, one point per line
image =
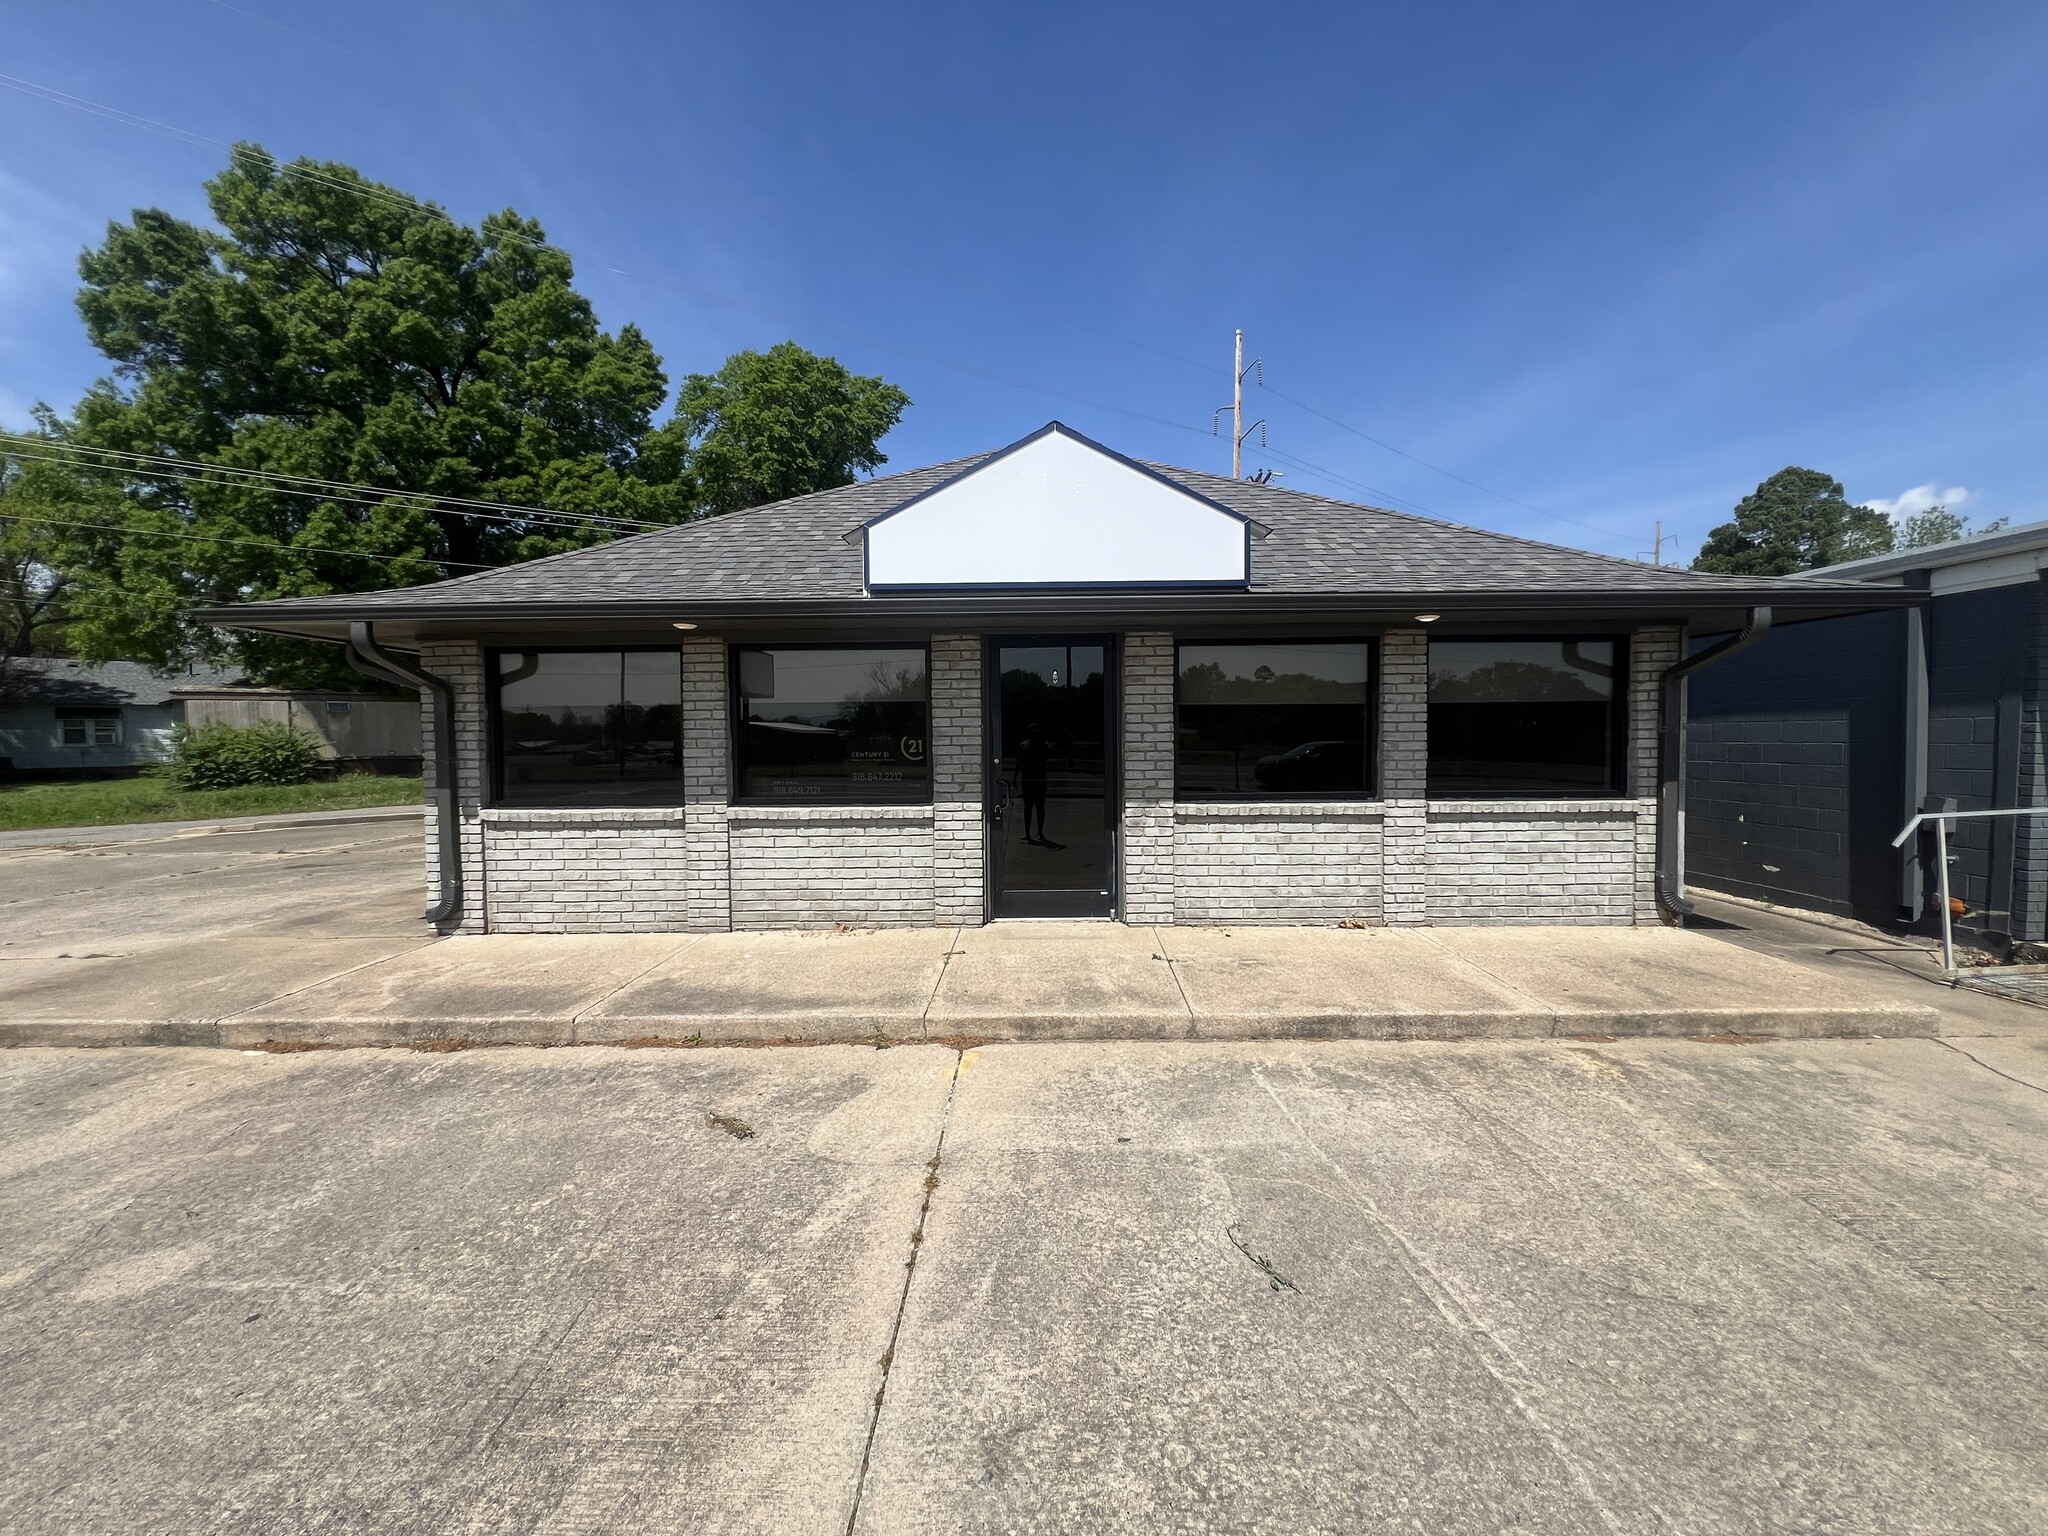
x: 1487, y: 1348
x: 945, y: 963
x: 1980, y: 1061
x: 1173, y: 970
x: 576, y: 1019
x: 931, y: 1185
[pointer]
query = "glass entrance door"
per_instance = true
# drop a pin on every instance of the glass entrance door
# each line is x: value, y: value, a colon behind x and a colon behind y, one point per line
x: 1051, y: 813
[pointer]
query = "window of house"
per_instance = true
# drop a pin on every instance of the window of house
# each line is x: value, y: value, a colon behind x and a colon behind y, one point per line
x: 1292, y: 718
x: 89, y: 727
x: 588, y: 727
x: 823, y: 723
x: 1525, y: 717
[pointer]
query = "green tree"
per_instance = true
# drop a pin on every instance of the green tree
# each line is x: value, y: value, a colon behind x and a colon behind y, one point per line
x: 32, y: 591
x: 1795, y: 521
x: 1938, y: 525
x: 770, y: 425
x: 333, y: 328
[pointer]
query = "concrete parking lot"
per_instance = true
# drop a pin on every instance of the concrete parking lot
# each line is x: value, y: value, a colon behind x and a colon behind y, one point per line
x: 1284, y: 1286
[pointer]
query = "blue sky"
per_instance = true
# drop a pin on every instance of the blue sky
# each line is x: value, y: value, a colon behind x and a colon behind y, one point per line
x: 1616, y: 263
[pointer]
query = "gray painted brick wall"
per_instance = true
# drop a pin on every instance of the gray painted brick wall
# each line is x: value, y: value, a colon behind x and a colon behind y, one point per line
x: 1280, y: 862
x: 1404, y: 775
x: 588, y: 871
x: 710, y: 865
x: 958, y: 753
x: 1651, y: 653
x: 818, y: 866
x: 707, y: 785
x: 461, y: 662
x: 1147, y: 753
x: 1494, y: 861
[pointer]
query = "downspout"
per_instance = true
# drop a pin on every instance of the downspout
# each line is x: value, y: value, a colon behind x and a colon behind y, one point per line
x: 366, y: 658
x: 1671, y: 761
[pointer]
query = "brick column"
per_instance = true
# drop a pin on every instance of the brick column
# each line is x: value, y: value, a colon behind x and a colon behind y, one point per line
x: 1404, y: 776
x: 1147, y: 753
x: 958, y: 756
x: 461, y: 662
x: 707, y: 784
x: 1650, y: 653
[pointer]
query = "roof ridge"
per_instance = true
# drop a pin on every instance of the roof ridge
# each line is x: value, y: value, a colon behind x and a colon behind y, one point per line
x: 1441, y: 522
x: 668, y: 530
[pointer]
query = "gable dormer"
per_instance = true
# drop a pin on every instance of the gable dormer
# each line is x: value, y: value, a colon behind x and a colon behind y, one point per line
x: 1057, y: 510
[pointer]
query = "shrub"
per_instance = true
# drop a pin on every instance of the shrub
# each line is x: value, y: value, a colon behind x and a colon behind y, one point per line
x: 220, y: 756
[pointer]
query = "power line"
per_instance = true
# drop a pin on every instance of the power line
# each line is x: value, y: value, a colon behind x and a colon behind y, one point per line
x: 390, y: 197
x: 205, y: 538
x: 325, y: 490
x: 1438, y: 468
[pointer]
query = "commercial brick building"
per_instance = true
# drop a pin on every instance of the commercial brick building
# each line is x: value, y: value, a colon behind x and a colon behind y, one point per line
x: 1051, y: 682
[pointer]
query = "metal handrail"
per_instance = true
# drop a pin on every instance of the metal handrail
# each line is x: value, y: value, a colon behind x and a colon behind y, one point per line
x: 1941, y: 819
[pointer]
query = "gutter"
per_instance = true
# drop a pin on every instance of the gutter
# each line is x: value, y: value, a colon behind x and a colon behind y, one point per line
x: 365, y: 656
x: 1671, y: 761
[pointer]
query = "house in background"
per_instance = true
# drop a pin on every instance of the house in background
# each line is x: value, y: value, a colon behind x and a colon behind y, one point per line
x: 353, y: 730
x: 65, y: 716
x: 1810, y: 751
x: 62, y: 716
x: 1049, y: 682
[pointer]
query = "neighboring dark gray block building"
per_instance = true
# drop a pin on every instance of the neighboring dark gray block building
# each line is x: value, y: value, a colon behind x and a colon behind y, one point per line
x: 1048, y: 682
x: 1808, y: 753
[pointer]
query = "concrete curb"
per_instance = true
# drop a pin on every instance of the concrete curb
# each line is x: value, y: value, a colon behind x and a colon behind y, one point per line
x: 143, y: 831
x: 1878, y: 1021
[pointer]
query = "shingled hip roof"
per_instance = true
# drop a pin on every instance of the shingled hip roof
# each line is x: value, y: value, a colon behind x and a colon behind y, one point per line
x: 795, y: 557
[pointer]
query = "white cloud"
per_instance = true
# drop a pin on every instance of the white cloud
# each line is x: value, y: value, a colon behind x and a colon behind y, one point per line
x: 1919, y: 499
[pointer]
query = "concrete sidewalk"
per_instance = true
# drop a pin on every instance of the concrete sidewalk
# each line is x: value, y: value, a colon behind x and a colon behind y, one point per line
x: 1030, y: 981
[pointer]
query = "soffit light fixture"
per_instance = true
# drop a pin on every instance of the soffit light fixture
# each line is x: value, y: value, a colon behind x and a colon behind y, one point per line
x: 1427, y: 618
x: 681, y: 624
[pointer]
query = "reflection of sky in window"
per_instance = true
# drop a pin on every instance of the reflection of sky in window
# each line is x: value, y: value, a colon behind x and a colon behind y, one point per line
x: 1590, y: 661
x: 805, y: 678
x: 1335, y: 663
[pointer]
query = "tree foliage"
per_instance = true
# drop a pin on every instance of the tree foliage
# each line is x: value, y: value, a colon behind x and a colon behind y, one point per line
x: 333, y: 328
x: 770, y: 425
x: 1795, y: 521
x: 1938, y: 525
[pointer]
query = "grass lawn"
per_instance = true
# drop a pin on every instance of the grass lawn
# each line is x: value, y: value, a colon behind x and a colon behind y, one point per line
x: 101, y: 802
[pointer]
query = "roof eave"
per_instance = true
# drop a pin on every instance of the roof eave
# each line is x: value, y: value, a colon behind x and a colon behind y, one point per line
x: 1810, y: 600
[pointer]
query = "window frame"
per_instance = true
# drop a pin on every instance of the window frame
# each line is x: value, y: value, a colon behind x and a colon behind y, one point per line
x: 90, y: 721
x: 494, y: 743
x: 1375, y: 705
x: 736, y: 718
x: 1617, y: 719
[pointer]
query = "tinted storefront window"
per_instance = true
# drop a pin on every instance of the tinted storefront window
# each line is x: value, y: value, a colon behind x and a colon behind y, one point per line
x: 1524, y: 717
x: 589, y: 727
x: 832, y: 724
x: 1284, y: 719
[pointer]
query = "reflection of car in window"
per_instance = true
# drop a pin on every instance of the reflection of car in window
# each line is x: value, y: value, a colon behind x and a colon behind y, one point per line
x: 1312, y: 765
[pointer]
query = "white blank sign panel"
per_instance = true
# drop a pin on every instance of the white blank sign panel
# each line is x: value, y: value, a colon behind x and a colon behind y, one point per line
x: 1057, y: 511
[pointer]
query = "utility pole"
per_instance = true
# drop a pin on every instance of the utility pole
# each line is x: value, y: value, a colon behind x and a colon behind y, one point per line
x: 1238, y: 430
x: 1656, y: 552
